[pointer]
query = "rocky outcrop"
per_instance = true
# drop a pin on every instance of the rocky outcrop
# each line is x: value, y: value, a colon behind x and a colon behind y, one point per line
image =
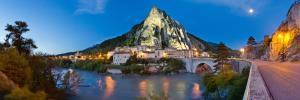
x: 161, y: 31
x: 287, y: 37
x: 157, y: 30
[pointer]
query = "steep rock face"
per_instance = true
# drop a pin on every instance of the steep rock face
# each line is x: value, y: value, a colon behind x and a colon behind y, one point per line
x: 287, y: 37
x: 158, y: 30
x: 161, y: 31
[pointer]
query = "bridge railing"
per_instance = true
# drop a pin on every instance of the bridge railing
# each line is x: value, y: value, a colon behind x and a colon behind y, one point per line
x: 256, y: 88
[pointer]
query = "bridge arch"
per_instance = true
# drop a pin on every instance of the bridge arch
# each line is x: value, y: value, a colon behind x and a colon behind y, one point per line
x: 192, y: 63
x: 202, y: 68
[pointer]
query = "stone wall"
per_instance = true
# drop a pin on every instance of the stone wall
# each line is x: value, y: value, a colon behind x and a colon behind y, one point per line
x: 256, y: 88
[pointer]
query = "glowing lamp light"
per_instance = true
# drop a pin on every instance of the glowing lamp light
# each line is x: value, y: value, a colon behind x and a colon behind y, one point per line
x: 280, y: 36
x: 242, y: 50
x: 165, y: 54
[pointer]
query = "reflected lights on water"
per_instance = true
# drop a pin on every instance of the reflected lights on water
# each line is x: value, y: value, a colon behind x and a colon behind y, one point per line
x: 110, y: 86
x: 196, y: 93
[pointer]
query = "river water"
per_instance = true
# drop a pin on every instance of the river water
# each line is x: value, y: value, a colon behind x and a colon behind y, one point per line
x: 119, y: 87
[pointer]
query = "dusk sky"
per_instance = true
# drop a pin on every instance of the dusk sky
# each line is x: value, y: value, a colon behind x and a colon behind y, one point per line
x: 60, y: 26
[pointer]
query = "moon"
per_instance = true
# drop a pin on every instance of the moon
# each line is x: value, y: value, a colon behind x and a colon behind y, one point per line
x: 251, y: 11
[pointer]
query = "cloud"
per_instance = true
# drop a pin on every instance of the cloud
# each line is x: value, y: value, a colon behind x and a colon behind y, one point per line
x: 91, y: 6
x: 244, y: 5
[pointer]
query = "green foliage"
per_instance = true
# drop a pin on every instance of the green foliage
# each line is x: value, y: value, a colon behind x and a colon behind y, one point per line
x: 172, y: 65
x: 238, y: 87
x: 225, y: 82
x: 137, y: 69
x: 130, y: 41
x: 132, y: 60
x: 111, y: 44
x: 15, y: 66
x: 25, y: 68
x: 43, y: 78
x: 209, y: 80
x: 102, y: 69
x: 251, y: 41
x: 126, y: 70
x: 221, y: 57
x: 25, y: 94
x: 132, y: 69
x: 91, y: 65
x: 63, y: 63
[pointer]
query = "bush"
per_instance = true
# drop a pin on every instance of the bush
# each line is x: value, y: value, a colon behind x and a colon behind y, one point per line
x: 226, y: 82
x: 125, y: 70
x: 102, y: 69
x: 25, y: 94
x: 15, y: 66
x: 136, y: 69
x: 173, y: 65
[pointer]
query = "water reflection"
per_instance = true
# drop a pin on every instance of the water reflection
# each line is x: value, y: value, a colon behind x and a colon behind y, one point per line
x: 110, y: 86
x: 196, y: 91
x: 143, y: 88
x: 181, y: 88
x: 166, y: 85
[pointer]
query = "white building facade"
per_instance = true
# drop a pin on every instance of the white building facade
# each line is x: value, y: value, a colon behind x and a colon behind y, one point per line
x: 121, y: 58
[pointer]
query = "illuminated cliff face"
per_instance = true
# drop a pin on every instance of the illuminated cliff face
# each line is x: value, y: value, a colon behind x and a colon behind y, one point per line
x: 281, y: 41
x: 286, y: 36
x: 160, y: 30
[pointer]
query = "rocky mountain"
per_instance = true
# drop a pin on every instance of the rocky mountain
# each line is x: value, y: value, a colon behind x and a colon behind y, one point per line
x: 158, y: 30
x: 287, y: 37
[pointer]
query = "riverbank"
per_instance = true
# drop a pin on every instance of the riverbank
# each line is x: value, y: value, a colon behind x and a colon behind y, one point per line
x: 137, y: 66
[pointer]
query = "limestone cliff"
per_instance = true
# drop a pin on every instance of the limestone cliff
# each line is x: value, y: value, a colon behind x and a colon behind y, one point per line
x: 157, y: 30
x: 287, y: 37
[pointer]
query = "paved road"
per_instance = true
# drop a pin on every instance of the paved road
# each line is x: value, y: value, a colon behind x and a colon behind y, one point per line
x: 282, y: 79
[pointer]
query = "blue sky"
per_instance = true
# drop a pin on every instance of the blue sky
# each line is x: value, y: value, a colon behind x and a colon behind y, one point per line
x: 59, y: 26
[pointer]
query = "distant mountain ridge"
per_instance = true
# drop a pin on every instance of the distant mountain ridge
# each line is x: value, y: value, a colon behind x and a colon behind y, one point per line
x: 158, y: 30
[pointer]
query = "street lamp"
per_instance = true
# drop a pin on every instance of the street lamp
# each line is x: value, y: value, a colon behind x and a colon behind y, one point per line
x: 242, y: 50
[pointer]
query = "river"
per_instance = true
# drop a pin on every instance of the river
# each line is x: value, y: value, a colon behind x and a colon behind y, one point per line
x: 183, y: 86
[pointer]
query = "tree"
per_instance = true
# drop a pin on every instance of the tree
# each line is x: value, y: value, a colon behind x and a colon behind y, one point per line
x: 221, y: 57
x: 132, y: 60
x: 211, y: 86
x: 1, y: 46
x: 23, y: 67
x: 15, y: 38
x: 251, y: 41
x: 267, y: 41
x: 42, y: 75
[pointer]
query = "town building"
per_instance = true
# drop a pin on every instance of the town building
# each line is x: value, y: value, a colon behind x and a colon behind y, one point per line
x: 121, y: 57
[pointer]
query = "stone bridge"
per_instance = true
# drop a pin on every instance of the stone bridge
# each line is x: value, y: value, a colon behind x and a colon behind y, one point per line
x: 192, y: 63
